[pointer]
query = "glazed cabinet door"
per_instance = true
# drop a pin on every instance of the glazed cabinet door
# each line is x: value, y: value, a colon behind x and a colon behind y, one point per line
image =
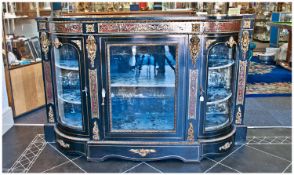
x: 70, y: 88
x: 220, y: 84
x: 142, y: 91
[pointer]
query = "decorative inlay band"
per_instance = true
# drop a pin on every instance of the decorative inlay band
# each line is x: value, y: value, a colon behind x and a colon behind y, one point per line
x: 225, y: 146
x: 194, y: 48
x: 245, y: 42
x: 239, y: 116
x: 143, y: 152
x: 223, y: 26
x: 66, y: 27
x: 241, y: 82
x: 95, y: 131
x: 192, y: 93
x: 190, y: 137
x: 231, y: 42
x: 44, y: 43
x: 78, y: 43
x: 91, y: 48
x: 196, y: 27
x: 57, y: 43
x: 50, y: 115
x: 62, y: 143
x: 94, y: 93
x: 90, y: 28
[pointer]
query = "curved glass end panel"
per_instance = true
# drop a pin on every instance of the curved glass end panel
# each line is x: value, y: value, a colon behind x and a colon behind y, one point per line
x: 68, y: 86
x: 219, y: 90
x: 142, y: 87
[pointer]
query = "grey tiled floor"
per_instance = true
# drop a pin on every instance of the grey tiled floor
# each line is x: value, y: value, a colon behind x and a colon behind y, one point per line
x: 266, y: 150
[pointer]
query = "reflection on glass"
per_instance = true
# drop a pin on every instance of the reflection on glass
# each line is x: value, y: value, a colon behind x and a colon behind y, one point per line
x: 219, y: 91
x: 142, y: 87
x: 68, y: 86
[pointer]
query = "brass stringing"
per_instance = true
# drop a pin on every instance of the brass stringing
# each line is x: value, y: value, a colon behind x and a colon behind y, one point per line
x: 190, y: 133
x: 44, y: 42
x: 239, y: 116
x: 91, y: 47
x: 96, y: 131
x: 231, y: 42
x: 57, y: 43
x: 90, y: 28
x: 245, y: 41
x: 51, y: 115
x: 143, y: 152
x: 194, y: 48
x: 62, y: 143
x: 78, y: 42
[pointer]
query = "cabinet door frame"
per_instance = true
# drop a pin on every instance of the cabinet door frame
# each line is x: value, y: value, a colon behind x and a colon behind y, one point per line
x: 211, y: 41
x: 78, y: 43
x: 181, y: 94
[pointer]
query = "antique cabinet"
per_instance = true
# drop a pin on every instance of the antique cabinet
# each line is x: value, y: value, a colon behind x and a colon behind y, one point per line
x: 145, y: 88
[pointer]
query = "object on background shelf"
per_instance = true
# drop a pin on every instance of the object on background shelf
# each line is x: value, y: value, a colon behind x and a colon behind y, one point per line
x: 157, y: 6
x: 267, y: 58
x: 134, y: 7
x: 143, y: 6
x: 276, y: 51
x: 35, y: 43
x: 12, y: 58
x: 283, y: 52
x: 24, y: 62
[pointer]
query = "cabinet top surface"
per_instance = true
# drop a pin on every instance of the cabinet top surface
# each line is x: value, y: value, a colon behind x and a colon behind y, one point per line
x: 151, y: 17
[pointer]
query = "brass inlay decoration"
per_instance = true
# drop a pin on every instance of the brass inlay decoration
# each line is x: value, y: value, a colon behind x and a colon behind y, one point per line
x: 50, y: 115
x: 66, y: 27
x: 95, y: 131
x: 194, y: 48
x: 42, y: 26
x: 246, y: 24
x: 245, y: 41
x: 94, y: 93
x: 143, y: 152
x: 239, y: 116
x: 190, y: 133
x: 90, y: 28
x: 79, y: 43
x: 57, y: 43
x: 44, y: 43
x: 231, y: 42
x: 192, y: 93
x: 91, y: 48
x: 225, y: 146
x: 209, y: 42
x: 62, y: 143
x: 196, y: 27
x: 222, y: 26
x: 241, y: 82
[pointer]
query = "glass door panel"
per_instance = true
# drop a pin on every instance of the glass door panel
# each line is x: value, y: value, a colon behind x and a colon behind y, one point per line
x: 68, y: 86
x: 219, y: 90
x: 142, y: 87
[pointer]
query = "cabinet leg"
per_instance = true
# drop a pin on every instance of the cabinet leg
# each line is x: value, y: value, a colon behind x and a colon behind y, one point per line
x: 49, y: 132
x: 241, y: 132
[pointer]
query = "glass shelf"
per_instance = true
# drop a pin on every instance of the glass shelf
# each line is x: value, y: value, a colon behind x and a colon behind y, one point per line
x: 70, y: 96
x: 67, y: 67
x: 218, y: 95
x: 220, y: 64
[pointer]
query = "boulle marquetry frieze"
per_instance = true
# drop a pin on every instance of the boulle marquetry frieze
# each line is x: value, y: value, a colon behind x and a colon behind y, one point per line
x: 192, y: 93
x: 222, y: 26
x: 143, y: 152
x: 44, y: 43
x: 94, y: 93
x: 66, y: 27
x: 194, y: 46
x: 91, y: 49
x: 90, y: 28
x: 239, y: 116
x: 241, y: 82
x: 48, y: 81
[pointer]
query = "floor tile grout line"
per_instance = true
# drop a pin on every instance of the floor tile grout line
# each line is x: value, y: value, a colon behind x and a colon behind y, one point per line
x: 35, y: 158
x: 133, y: 167
x: 223, y: 165
x: 273, y: 140
x: 268, y: 143
x: 153, y: 167
x: 284, y: 140
x: 68, y: 158
x: 61, y: 164
x: 269, y: 153
x: 287, y: 167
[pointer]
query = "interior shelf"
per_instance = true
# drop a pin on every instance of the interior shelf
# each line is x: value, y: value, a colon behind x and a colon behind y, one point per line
x: 218, y: 95
x: 216, y: 121
x: 67, y: 67
x: 220, y: 64
x: 70, y: 96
